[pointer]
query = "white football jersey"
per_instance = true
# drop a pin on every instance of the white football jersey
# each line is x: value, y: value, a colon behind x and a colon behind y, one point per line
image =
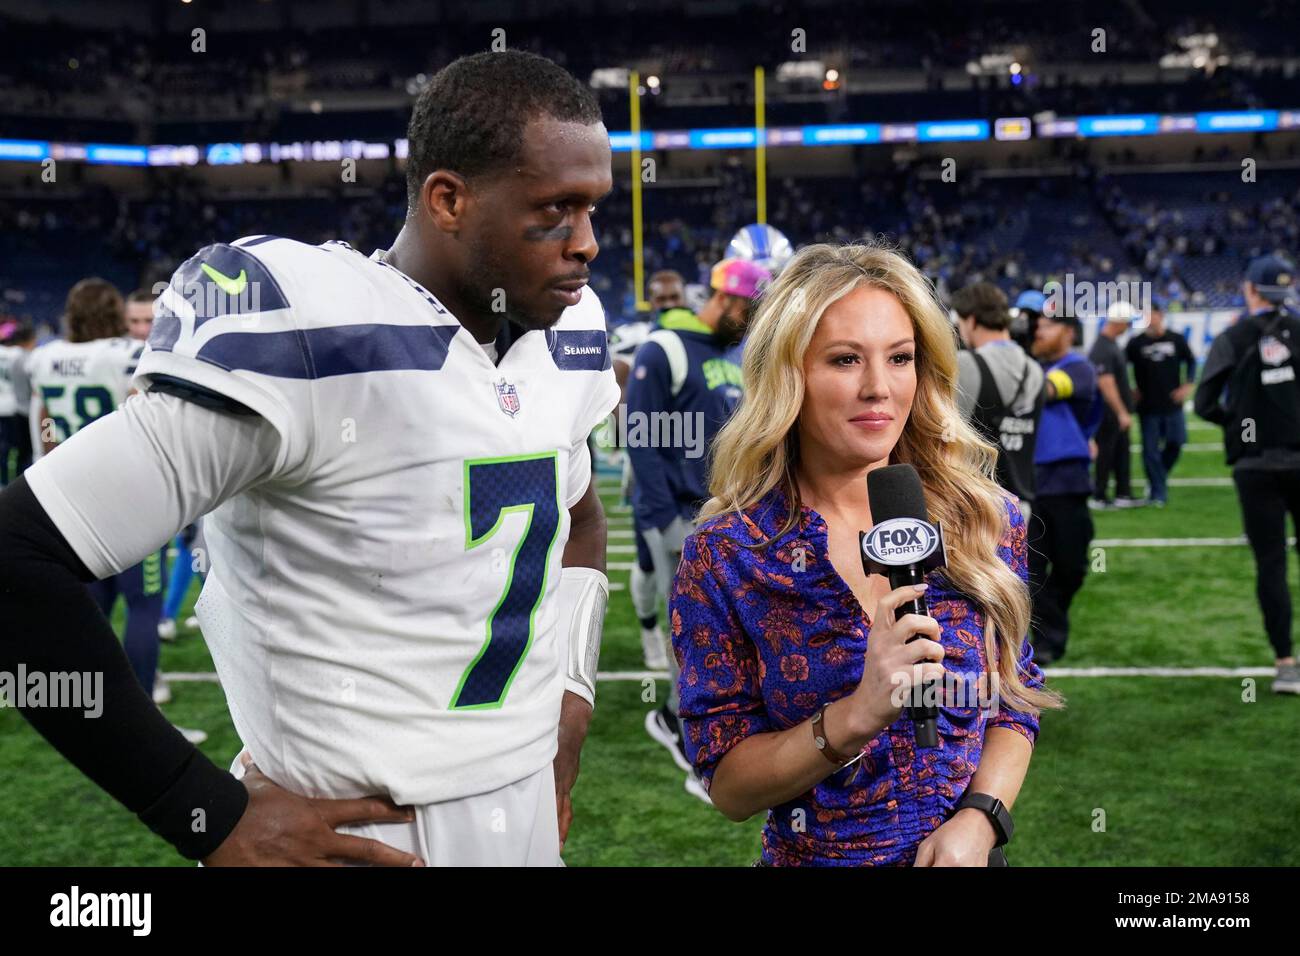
x: 382, y: 610
x: 78, y: 382
x: 625, y: 339
x: 10, y: 355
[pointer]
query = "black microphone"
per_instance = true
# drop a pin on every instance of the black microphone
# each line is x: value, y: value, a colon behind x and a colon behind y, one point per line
x: 904, y: 545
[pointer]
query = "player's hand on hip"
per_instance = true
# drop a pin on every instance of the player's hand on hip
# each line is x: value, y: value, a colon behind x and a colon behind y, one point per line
x: 575, y: 718
x: 280, y: 828
x: 895, y: 662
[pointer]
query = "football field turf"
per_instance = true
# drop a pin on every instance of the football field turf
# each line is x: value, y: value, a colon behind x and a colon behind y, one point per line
x: 1139, y: 770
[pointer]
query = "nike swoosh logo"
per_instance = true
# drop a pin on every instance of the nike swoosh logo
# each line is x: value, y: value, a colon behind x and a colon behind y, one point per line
x: 225, y: 283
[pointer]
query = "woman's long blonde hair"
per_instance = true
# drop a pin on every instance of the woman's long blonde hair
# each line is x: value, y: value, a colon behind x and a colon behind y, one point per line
x: 758, y: 449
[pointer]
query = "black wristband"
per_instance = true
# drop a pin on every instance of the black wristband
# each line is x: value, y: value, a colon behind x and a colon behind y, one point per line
x: 199, y: 810
x: 997, y: 812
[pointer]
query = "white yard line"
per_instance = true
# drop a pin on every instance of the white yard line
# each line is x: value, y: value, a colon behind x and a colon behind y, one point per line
x: 1136, y: 447
x: 1158, y: 671
x: 1223, y: 482
x: 1173, y: 542
x: 208, y: 677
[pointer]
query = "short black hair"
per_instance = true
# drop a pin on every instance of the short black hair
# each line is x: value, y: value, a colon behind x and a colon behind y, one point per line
x: 470, y: 118
x: 984, y: 302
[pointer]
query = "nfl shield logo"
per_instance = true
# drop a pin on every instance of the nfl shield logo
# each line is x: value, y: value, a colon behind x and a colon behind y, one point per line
x: 507, y: 398
x: 1273, y: 351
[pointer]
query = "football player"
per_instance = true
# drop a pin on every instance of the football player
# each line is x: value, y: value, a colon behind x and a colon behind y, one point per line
x: 666, y: 290
x: 768, y: 247
x: 139, y: 314
x: 682, y: 373
x: 406, y: 587
x: 17, y: 339
x: 75, y: 382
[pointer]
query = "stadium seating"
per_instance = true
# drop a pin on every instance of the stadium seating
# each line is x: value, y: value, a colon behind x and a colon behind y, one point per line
x: 1190, y: 233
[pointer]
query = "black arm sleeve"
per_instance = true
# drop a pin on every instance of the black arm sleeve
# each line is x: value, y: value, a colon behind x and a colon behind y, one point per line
x: 52, y: 625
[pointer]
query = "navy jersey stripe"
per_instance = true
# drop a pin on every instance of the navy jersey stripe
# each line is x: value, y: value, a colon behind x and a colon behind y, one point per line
x: 166, y: 328
x: 336, y: 350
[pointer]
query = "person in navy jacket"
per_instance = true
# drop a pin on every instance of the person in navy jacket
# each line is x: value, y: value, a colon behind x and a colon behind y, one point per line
x: 1061, y: 526
x: 683, y: 387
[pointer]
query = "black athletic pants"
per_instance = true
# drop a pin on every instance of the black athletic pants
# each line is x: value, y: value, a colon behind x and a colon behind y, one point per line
x: 1266, y: 497
x: 1060, y: 530
x: 14, y: 435
x: 1113, y: 457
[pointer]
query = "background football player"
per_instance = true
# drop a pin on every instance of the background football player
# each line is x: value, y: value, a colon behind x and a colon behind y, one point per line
x: 664, y: 290
x: 684, y: 374
x: 75, y: 382
x: 17, y: 339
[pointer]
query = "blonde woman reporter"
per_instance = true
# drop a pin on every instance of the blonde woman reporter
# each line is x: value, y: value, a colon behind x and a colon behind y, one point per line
x: 792, y: 665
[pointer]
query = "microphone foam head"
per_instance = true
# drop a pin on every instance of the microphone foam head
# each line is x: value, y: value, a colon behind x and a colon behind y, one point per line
x: 895, y: 491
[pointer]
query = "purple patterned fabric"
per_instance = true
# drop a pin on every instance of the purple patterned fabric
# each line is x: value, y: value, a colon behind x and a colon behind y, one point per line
x: 762, y: 646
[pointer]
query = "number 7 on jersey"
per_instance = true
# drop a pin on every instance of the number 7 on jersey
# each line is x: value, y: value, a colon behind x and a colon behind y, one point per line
x: 494, y: 488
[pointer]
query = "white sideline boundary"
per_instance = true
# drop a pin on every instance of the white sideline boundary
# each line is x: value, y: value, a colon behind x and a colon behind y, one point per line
x: 209, y: 677
x: 1174, y: 542
x: 1215, y: 482
x: 1136, y: 447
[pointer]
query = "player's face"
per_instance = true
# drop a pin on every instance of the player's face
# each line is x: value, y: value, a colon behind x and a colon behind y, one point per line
x: 667, y: 294
x: 532, y: 236
x: 859, y: 378
x: 733, y: 317
x: 1052, y: 338
x: 139, y: 319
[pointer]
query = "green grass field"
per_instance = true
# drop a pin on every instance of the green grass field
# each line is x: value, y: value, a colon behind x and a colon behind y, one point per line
x: 1185, y: 771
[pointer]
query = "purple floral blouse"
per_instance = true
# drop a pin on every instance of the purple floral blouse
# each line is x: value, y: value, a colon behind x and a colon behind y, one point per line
x: 763, y: 645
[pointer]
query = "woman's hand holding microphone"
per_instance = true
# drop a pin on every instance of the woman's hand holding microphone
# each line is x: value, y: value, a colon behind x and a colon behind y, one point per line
x: 891, y: 669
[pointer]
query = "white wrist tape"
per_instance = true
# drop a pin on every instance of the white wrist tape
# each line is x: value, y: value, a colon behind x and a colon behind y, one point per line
x: 584, y: 594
